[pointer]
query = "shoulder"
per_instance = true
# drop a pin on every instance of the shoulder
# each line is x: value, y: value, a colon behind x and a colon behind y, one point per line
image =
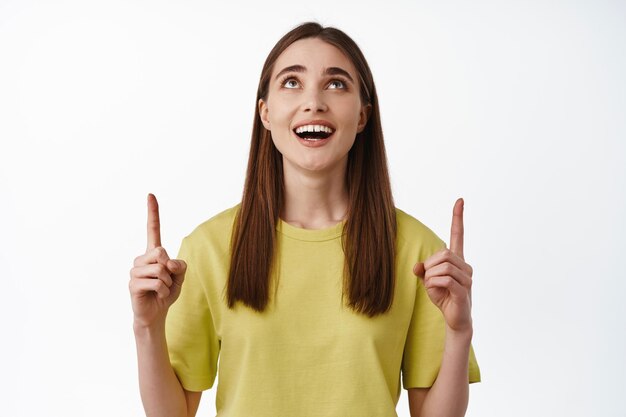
x: 216, y: 229
x: 415, y: 234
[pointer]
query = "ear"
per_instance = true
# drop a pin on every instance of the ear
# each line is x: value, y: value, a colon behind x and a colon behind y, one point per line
x: 363, y: 117
x: 263, y: 114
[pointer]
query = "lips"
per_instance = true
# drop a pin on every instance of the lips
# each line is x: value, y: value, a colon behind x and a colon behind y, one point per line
x: 314, y: 122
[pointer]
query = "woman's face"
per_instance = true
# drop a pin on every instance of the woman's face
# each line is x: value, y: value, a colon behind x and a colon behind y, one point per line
x: 319, y: 90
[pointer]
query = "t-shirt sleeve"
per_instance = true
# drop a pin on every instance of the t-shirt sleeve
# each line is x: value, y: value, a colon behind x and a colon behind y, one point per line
x: 192, y: 341
x: 423, y: 350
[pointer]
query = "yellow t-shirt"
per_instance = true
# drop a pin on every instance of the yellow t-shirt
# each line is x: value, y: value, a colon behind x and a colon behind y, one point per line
x: 307, y: 354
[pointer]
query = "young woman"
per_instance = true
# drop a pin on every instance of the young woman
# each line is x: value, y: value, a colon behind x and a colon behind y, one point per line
x: 306, y: 290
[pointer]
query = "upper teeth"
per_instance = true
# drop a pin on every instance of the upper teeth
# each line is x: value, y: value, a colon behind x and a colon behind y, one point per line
x: 314, y: 128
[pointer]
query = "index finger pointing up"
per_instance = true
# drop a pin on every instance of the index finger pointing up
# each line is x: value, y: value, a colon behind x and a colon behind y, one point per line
x: 154, y: 224
x: 456, y: 233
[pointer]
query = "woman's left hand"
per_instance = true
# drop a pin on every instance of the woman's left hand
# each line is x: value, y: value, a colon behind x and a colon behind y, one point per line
x: 448, y: 278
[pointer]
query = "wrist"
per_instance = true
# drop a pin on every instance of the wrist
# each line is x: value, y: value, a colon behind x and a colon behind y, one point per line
x: 460, y: 335
x: 141, y: 329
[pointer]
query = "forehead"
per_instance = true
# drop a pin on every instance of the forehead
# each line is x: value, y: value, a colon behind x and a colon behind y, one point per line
x: 315, y: 55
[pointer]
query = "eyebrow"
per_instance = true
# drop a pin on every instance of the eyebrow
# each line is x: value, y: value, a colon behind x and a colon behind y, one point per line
x: 328, y: 71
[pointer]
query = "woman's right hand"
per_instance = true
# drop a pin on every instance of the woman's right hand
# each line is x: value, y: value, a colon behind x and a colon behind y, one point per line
x: 155, y: 279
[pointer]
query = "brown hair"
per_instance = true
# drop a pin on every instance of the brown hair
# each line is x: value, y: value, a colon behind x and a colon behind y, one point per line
x: 369, y: 232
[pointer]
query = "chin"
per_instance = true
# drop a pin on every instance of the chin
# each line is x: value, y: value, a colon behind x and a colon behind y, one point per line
x: 315, y: 164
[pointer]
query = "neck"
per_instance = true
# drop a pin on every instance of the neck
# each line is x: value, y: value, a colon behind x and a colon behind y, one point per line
x: 315, y: 199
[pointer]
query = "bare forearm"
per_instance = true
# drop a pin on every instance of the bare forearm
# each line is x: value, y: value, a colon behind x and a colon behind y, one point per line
x: 449, y: 395
x: 161, y: 392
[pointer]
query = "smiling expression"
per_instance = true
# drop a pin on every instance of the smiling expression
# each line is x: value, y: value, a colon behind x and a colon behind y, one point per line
x: 313, y: 80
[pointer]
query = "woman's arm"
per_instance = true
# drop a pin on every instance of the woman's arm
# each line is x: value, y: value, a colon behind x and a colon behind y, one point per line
x: 161, y: 391
x: 448, y: 282
x: 449, y: 394
x: 155, y: 283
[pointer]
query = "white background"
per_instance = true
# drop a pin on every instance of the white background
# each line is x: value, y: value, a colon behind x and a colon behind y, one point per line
x: 517, y: 106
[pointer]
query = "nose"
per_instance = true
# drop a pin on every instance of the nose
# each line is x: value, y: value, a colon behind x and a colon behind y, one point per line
x: 314, y: 101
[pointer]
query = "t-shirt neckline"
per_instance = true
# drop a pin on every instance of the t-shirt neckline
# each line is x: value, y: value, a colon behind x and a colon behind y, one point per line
x: 312, y: 235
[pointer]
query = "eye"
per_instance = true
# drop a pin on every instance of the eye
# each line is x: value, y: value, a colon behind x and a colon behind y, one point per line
x: 287, y: 79
x: 341, y: 82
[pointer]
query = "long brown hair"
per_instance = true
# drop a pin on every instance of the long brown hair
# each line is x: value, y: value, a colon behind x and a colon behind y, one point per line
x: 369, y: 233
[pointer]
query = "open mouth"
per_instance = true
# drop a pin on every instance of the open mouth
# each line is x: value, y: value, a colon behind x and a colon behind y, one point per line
x: 314, y: 136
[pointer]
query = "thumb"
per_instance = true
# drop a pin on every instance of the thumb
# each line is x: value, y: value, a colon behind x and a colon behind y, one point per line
x: 419, y: 270
x: 172, y: 265
x: 178, y: 267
